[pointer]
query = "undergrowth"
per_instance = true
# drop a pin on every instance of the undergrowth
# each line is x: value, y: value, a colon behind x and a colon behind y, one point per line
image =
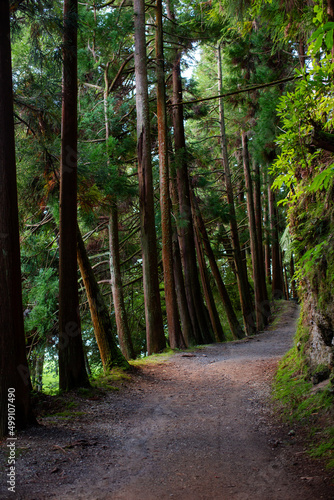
x: 300, y: 402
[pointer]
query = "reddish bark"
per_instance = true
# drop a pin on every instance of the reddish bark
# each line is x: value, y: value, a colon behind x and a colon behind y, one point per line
x: 72, y: 371
x: 261, y: 302
x: 235, y: 327
x: 187, y: 329
x: 247, y: 307
x: 277, y: 273
x: 14, y: 373
x: 259, y: 235
x: 174, y: 330
x: 103, y: 329
x: 154, y: 324
x: 123, y: 331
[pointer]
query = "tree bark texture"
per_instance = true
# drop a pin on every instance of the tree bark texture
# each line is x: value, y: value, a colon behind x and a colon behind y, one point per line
x: 232, y: 319
x: 259, y: 235
x: 103, y: 329
x: 14, y: 373
x: 154, y: 325
x: 261, y: 303
x: 174, y: 330
x: 209, y: 299
x: 186, y: 230
x: 123, y: 332
x: 72, y: 371
x: 277, y: 274
x: 247, y: 307
x: 187, y: 329
x: 267, y: 248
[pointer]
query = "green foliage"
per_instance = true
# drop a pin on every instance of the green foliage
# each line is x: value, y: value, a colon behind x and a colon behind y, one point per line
x: 325, y: 449
x: 50, y: 376
x: 292, y: 391
x: 323, y: 180
x: 42, y: 298
x: 291, y: 383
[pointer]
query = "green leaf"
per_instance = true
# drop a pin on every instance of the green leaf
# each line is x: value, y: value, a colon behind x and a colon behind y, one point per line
x: 318, y: 43
x: 316, y: 34
x: 322, y: 180
x: 329, y: 39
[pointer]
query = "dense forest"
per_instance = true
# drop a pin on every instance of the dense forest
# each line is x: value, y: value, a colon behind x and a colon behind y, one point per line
x: 166, y: 177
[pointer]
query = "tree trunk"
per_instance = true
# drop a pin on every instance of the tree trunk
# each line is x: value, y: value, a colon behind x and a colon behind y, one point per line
x: 186, y: 231
x: 267, y: 238
x: 243, y: 285
x: 301, y: 53
x: 174, y: 330
x: 103, y: 329
x: 210, y: 302
x: 72, y: 371
x: 187, y: 329
x: 154, y: 325
x: 123, y: 331
x: 260, y: 300
x: 277, y: 275
x: 209, y: 299
x: 14, y: 373
x: 232, y: 319
x: 259, y: 234
x: 223, y: 235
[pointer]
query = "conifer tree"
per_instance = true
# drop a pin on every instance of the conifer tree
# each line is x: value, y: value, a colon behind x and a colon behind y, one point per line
x: 72, y: 371
x: 15, y: 406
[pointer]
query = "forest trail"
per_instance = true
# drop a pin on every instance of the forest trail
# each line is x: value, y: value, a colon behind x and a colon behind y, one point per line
x: 194, y: 427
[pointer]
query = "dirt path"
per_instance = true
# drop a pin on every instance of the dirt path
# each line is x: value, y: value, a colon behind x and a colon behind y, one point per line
x: 192, y: 428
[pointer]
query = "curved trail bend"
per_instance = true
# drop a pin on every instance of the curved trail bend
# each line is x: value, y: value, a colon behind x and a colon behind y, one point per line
x: 194, y: 427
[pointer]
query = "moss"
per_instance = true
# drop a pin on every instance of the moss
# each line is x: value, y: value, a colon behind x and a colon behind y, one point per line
x: 326, y: 448
x: 154, y: 359
x: 108, y: 381
x: 66, y: 415
x: 298, y: 403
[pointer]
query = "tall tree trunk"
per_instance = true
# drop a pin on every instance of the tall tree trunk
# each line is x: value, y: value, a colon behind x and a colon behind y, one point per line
x: 110, y: 354
x: 277, y: 275
x: 72, y: 371
x: 154, y: 324
x: 232, y: 319
x: 123, y: 331
x: 187, y: 329
x: 267, y: 238
x: 209, y: 299
x: 260, y: 299
x: 247, y: 307
x: 14, y: 373
x: 174, y: 330
x: 259, y: 234
x: 286, y: 283
x: 223, y: 235
x: 186, y: 231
